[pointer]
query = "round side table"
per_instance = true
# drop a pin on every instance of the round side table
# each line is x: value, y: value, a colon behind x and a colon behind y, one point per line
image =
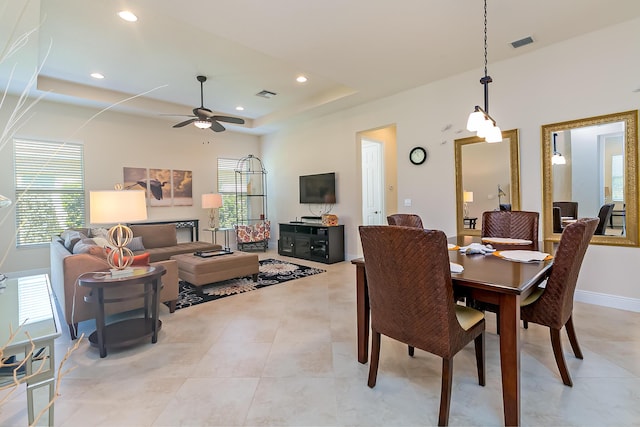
x: 128, y: 331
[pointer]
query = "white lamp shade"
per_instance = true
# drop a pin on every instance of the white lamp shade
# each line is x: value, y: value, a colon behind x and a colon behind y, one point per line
x: 211, y: 201
x: 494, y: 134
x: 467, y: 196
x: 117, y: 206
x: 474, y: 121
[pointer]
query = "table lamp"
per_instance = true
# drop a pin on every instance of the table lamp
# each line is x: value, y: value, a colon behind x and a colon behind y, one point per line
x: 501, y: 194
x: 213, y: 202
x: 467, y: 197
x: 118, y: 206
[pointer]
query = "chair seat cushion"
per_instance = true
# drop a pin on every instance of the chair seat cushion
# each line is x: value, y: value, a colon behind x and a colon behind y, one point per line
x: 532, y: 297
x: 467, y: 316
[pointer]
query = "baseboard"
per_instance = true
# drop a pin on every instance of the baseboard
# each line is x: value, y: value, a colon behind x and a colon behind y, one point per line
x: 612, y: 301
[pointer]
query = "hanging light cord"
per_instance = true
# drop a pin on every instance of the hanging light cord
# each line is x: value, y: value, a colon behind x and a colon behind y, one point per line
x: 486, y: 79
x: 485, y: 38
x: 480, y: 120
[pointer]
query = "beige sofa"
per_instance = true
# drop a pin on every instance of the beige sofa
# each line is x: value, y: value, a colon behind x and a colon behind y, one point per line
x: 67, y: 266
x: 161, y: 241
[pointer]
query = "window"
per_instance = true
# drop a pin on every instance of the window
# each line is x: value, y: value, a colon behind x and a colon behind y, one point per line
x: 49, y: 181
x: 617, y: 178
x: 227, y: 188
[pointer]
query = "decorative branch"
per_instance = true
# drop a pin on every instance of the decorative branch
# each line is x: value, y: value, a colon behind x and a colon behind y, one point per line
x: 61, y: 374
x: 19, y: 379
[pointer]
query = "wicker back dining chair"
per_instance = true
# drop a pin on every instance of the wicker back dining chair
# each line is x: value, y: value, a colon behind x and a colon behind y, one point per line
x: 552, y: 306
x: 557, y: 220
x: 567, y: 209
x: 605, y: 216
x: 411, y: 300
x: 512, y: 224
x: 406, y: 220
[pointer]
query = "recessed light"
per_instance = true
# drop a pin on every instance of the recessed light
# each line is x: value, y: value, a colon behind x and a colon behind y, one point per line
x: 127, y: 16
x: 301, y: 79
x: 240, y: 108
x: 97, y: 76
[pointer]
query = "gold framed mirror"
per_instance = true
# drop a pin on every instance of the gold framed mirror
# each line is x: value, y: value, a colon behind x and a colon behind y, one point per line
x: 599, y: 174
x: 487, y: 176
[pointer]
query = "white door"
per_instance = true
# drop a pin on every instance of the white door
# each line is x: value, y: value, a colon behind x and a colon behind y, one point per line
x: 372, y: 183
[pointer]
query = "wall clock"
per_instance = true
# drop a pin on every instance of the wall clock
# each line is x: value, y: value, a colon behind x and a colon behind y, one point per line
x: 418, y: 155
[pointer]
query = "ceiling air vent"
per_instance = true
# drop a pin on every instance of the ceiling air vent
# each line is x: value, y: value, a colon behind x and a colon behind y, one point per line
x: 522, y: 42
x: 266, y: 94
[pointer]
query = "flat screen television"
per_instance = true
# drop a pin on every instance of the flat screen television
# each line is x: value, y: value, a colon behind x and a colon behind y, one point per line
x: 319, y: 188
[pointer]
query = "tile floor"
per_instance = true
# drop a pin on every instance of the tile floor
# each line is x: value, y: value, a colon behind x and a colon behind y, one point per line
x: 286, y: 356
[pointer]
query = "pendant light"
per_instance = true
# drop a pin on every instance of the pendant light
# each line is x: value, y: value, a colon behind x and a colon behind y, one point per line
x: 557, y: 158
x: 480, y: 121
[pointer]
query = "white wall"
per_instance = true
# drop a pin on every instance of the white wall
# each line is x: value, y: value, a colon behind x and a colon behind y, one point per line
x: 591, y: 75
x: 112, y: 141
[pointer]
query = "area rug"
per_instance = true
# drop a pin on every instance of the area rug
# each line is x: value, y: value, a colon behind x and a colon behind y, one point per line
x: 272, y: 272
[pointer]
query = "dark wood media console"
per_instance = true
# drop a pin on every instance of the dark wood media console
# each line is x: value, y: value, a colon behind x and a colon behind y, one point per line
x: 314, y: 242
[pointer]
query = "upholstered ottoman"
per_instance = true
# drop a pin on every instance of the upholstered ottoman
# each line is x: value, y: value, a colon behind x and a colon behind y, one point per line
x: 202, y: 271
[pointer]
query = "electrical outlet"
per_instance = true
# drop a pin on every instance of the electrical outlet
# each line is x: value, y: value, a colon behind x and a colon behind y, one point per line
x: 407, y: 202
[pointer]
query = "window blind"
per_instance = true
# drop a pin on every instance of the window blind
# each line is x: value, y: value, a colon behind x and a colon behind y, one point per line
x: 49, y: 182
x: 227, y: 188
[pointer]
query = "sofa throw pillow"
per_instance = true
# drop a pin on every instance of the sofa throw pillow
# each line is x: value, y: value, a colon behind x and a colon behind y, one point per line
x: 136, y: 244
x: 138, y: 260
x: 99, y: 232
x: 81, y: 230
x: 98, y: 251
x: 71, y: 238
x: 83, y: 246
x: 102, y: 242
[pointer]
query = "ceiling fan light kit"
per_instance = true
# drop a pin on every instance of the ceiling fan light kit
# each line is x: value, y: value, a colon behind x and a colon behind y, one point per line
x: 202, y: 124
x: 479, y: 120
x: 203, y: 118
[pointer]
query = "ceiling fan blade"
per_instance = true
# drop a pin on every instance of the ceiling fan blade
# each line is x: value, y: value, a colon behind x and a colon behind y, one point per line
x: 186, y: 122
x: 229, y: 119
x: 177, y: 115
x: 216, y: 127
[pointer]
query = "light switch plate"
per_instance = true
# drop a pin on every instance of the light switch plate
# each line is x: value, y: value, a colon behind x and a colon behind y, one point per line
x: 407, y: 202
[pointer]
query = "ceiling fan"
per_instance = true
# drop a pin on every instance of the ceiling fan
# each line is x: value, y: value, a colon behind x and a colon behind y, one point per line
x: 204, y: 118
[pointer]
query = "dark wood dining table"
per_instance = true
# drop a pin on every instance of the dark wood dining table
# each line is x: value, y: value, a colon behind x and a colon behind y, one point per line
x: 488, y: 279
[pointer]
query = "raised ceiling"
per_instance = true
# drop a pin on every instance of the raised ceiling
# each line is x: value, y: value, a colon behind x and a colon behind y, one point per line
x: 352, y: 51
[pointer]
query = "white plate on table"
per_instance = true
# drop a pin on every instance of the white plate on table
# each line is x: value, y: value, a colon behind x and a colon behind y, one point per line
x: 523, y: 256
x: 506, y: 241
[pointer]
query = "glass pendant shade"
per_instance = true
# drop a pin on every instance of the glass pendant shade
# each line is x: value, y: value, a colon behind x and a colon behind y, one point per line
x: 494, y: 135
x: 484, y: 128
x: 475, y: 120
x: 558, y: 159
